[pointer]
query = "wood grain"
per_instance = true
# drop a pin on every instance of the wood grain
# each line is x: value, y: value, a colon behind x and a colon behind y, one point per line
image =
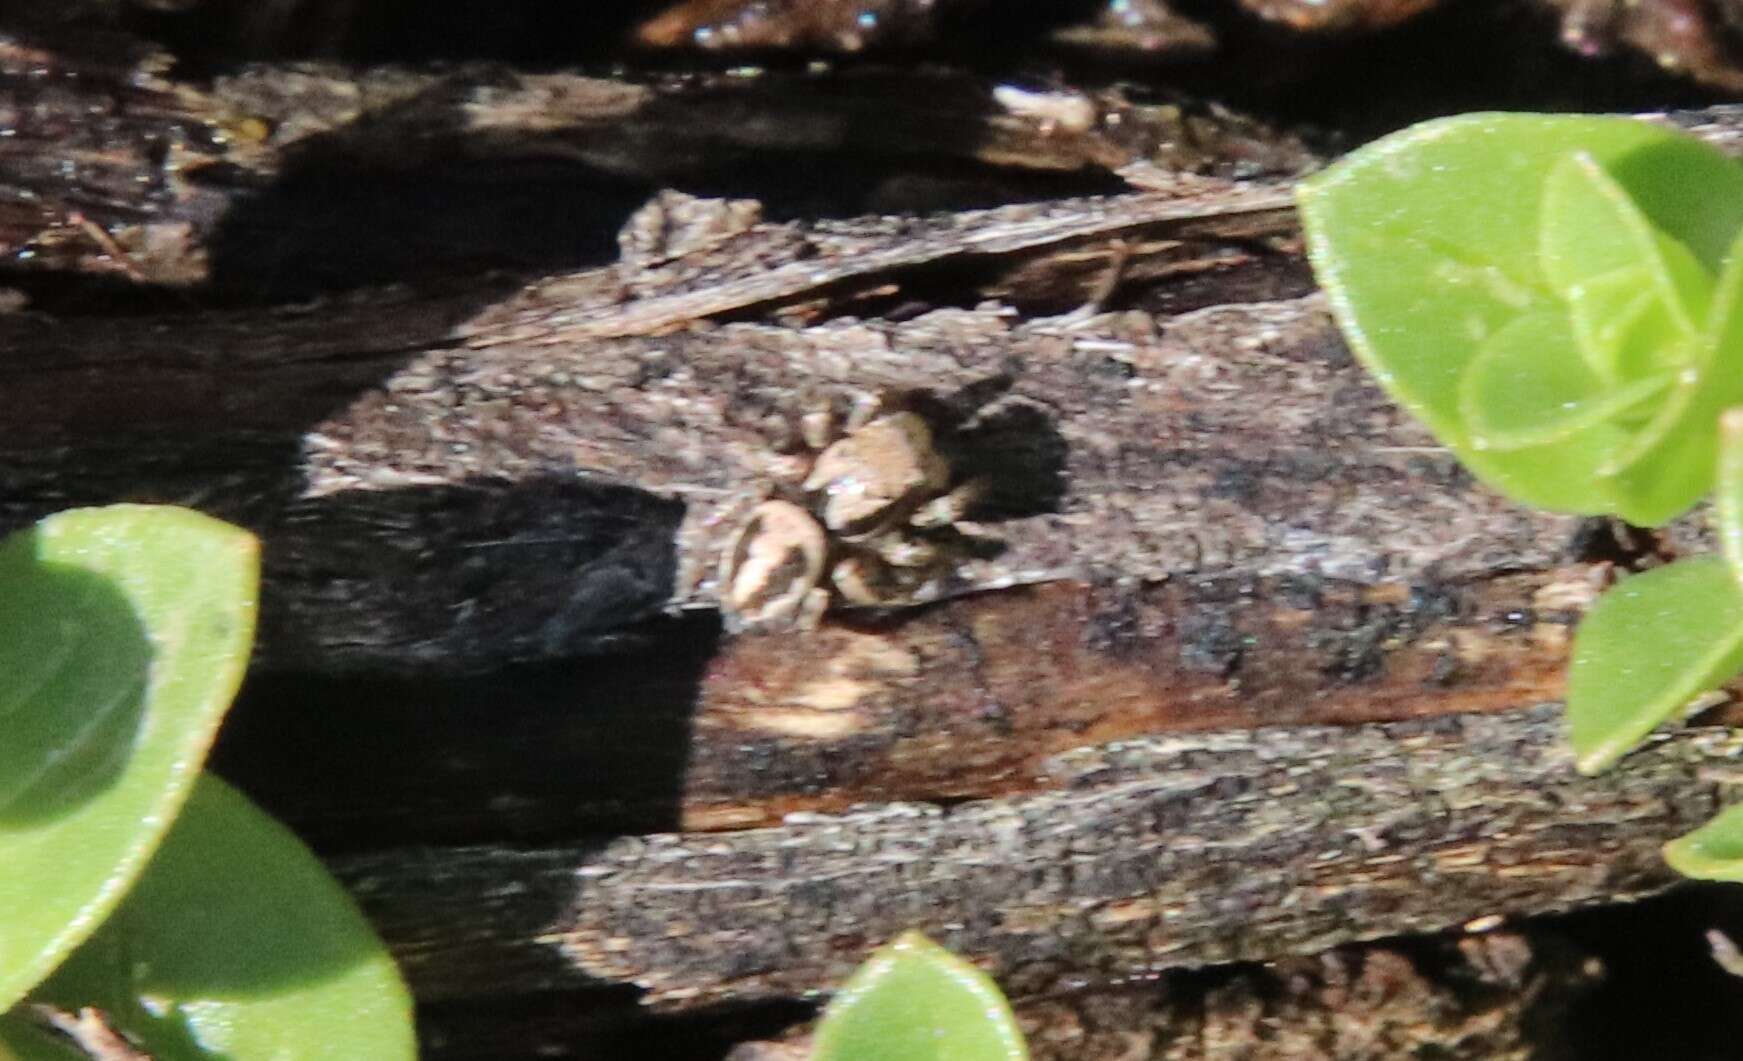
x: 1247, y: 667
x: 1145, y: 854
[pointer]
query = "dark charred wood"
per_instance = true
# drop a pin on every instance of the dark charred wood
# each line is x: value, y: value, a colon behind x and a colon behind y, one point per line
x: 284, y: 182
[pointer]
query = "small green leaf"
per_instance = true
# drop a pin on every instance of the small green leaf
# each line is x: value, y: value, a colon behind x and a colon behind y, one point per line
x: 1673, y: 456
x: 1671, y: 459
x: 1649, y: 646
x: 237, y: 945
x: 1725, y: 320
x: 1728, y: 493
x: 1618, y: 320
x: 1429, y: 243
x: 124, y: 632
x: 915, y: 1001
x: 1592, y: 228
x: 1513, y: 397
x: 1712, y: 852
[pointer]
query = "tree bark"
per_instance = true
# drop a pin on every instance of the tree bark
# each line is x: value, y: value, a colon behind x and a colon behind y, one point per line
x: 1142, y: 855
x: 1241, y: 664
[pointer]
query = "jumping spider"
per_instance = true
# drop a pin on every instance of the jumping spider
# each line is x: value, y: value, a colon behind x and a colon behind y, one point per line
x: 872, y: 522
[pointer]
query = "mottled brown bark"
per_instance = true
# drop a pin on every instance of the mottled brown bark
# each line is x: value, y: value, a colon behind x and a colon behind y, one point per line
x: 1144, y: 854
x: 287, y: 180
x: 388, y: 443
x: 1244, y: 667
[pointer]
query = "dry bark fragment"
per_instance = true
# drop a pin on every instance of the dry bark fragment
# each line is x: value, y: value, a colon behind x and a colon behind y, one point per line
x: 967, y: 700
x: 284, y: 180
x: 1147, y: 854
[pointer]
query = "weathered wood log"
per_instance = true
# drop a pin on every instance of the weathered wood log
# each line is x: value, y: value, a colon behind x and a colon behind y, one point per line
x: 1483, y: 997
x: 1488, y: 996
x: 1202, y: 516
x: 426, y: 503
x: 288, y: 180
x: 965, y: 700
x: 443, y: 481
x: 235, y: 396
x: 1146, y: 854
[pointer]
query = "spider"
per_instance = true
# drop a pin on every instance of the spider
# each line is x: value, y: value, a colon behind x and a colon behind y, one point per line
x: 872, y: 524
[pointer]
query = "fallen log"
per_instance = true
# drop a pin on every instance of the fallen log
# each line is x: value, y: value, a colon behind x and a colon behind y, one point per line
x: 1142, y: 855
x: 1244, y: 666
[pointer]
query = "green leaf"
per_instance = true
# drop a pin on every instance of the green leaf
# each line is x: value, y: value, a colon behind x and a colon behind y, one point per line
x: 1728, y: 492
x: 1725, y: 322
x: 124, y: 632
x: 1619, y: 321
x: 1650, y: 645
x: 1712, y: 852
x: 1513, y: 397
x: 1430, y: 242
x: 1593, y: 229
x: 237, y: 944
x: 915, y: 1001
x: 1687, y: 449
x: 1673, y: 456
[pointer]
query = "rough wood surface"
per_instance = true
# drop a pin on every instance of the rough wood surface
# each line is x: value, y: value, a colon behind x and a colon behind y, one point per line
x: 278, y: 180
x: 1462, y: 997
x: 499, y: 471
x: 1146, y: 854
x: 427, y: 503
x: 966, y: 700
x: 1480, y: 997
x: 481, y: 506
x: 1099, y: 749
